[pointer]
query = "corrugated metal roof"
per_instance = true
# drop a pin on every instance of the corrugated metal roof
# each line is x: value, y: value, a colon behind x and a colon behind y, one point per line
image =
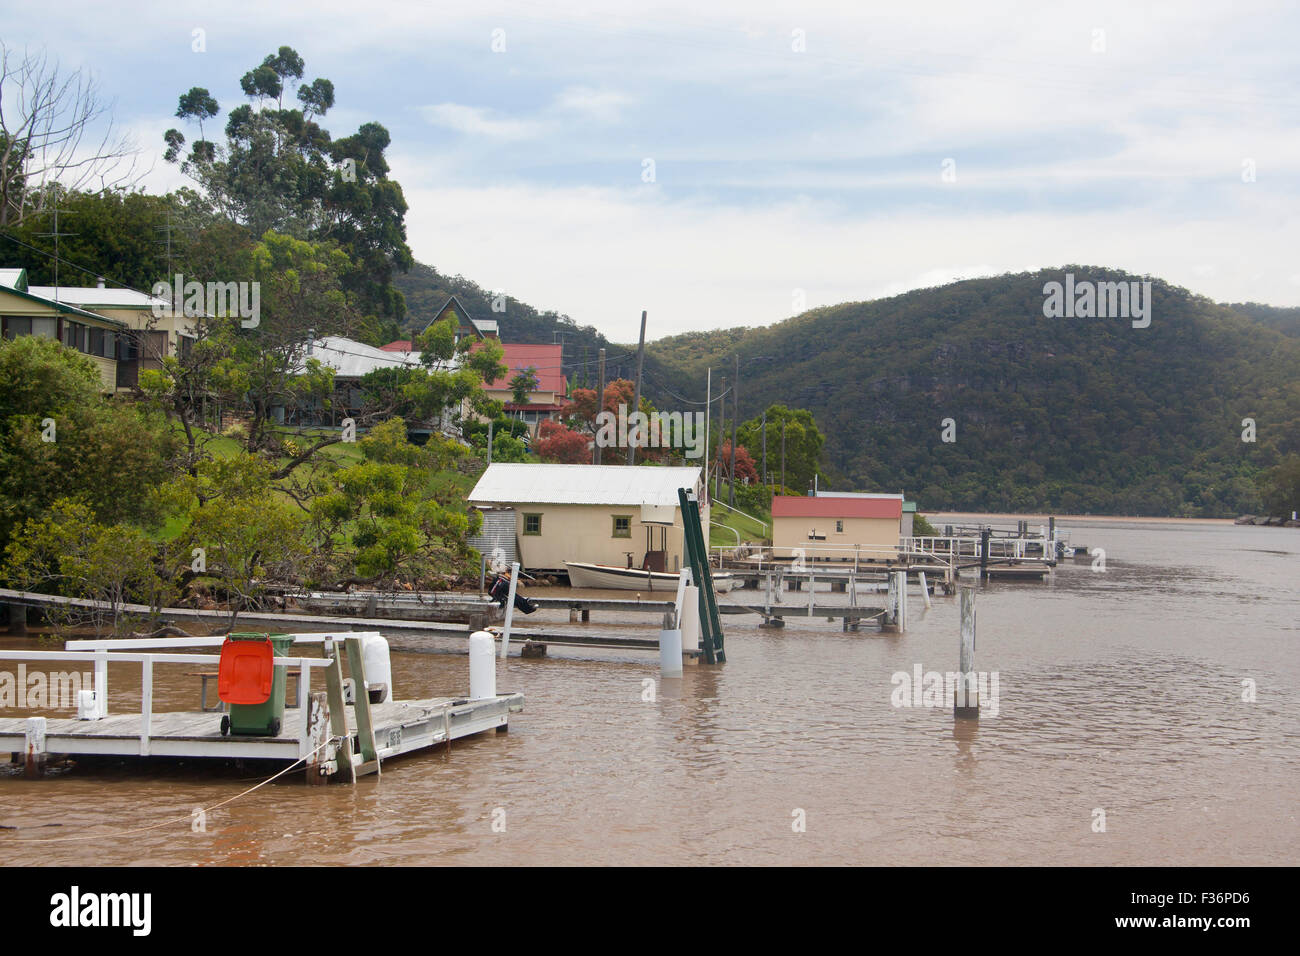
x: 14, y: 279
x: 793, y: 506
x: 527, y: 483
x: 105, y: 298
x: 351, y: 359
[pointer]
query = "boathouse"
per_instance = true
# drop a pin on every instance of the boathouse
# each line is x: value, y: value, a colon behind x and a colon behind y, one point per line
x: 602, y: 514
x: 835, y: 528
x: 909, y: 507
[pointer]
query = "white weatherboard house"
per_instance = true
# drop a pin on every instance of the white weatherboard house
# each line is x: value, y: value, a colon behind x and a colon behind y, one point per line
x: 602, y: 514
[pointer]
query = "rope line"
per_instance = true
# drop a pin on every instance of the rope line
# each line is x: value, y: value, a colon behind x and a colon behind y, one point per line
x: 204, y: 811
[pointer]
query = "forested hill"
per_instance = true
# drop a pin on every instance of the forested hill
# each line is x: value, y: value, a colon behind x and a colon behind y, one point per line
x: 1067, y: 414
x: 1071, y: 414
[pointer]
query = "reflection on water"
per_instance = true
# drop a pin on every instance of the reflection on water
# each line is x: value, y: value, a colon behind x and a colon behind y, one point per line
x: 1119, y: 690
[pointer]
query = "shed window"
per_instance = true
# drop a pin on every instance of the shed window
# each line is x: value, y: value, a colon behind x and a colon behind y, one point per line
x: 622, y: 526
x: 532, y: 524
x: 839, y: 525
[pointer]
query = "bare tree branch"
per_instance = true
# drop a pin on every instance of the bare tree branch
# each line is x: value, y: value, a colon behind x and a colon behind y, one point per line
x: 55, y: 128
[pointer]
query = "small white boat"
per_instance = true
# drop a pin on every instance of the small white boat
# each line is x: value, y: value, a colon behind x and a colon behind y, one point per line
x: 611, y: 577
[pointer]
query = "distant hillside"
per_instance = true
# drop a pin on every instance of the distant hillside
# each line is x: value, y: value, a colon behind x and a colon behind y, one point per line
x: 1071, y: 414
x: 1286, y: 321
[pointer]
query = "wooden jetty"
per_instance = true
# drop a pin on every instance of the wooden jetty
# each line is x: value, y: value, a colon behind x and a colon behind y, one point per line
x: 334, y: 738
x: 400, y: 631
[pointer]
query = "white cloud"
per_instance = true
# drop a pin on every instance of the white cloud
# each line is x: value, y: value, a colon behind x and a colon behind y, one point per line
x: 601, y: 104
x: 602, y: 255
x: 477, y: 121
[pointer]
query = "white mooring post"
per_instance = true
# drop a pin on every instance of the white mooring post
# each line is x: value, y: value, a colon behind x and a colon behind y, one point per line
x: 901, y: 576
x: 966, y: 701
x: 925, y: 588
x: 670, y: 647
x: 510, y: 609
x: 482, y: 666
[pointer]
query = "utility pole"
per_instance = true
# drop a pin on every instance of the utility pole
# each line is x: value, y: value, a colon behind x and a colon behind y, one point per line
x: 708, y: 417
x: 722, y: 430
x: 56, y: 235
x: 765, y: 448
x: 735, y: 415
x: 783, y: 453
x: 600, y: 405
x: 636, y: 392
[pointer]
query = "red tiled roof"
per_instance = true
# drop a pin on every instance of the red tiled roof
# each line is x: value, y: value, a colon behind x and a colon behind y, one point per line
x: 401, y: 345
x: 537, y: 406
x: 546, y: 359
x: 793, y: 506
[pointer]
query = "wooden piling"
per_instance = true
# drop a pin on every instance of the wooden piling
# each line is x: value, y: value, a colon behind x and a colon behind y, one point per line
x: 35, y: 748
x: 361, y: 707
x: 318, y: 733
x: 966, y: 699
x: 338, y: 714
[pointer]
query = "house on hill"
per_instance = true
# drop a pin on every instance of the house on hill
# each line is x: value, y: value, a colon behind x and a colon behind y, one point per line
x: 604, y: 514
x: 825, y: 528
x: 467, y: 326
x: 547, y: 401
x: 122, y: 330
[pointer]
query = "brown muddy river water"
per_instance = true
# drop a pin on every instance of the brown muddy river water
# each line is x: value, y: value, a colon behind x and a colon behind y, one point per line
x: 1119, y: 691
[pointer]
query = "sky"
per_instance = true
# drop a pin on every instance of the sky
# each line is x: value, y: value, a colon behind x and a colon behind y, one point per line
x: 734, y: 163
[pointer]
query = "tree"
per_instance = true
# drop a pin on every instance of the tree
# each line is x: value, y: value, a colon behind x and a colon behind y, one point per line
x: 803, y: 443
x: 60, y: 438
x: 67, y: 551
x: 54, y: 127
x: 524, y: 381
x: 582, y: 409
x: 559, y: 443
x: 1279, y: 487
x: 278, y: 169
x: 392, y: 518
x: 247, y: 534
x: 746, y: 471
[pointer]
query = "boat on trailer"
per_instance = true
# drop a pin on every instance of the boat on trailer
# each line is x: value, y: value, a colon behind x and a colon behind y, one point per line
x: 611, y: 577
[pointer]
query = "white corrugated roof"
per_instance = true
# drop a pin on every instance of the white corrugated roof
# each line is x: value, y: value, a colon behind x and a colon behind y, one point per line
x: 11, y: 277
x: 105, y: 298
x: 351, y: 359
x: 526, y: 483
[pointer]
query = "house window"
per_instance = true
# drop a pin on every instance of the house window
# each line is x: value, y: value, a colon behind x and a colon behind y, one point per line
x: 45, y: 328
x: 16, y: 327
x: 532, y: 524
x: 839, y: 525
x: 622, y: 526
x: 814, y: 536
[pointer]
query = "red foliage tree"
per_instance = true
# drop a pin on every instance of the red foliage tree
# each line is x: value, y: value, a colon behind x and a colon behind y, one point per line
x: 746, y: 470
x: 557, y: 442
x: 582, y: 408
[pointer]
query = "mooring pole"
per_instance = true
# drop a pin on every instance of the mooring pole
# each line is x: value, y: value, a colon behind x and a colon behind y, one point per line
x: 966, y: 703
x: 985, y: 534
